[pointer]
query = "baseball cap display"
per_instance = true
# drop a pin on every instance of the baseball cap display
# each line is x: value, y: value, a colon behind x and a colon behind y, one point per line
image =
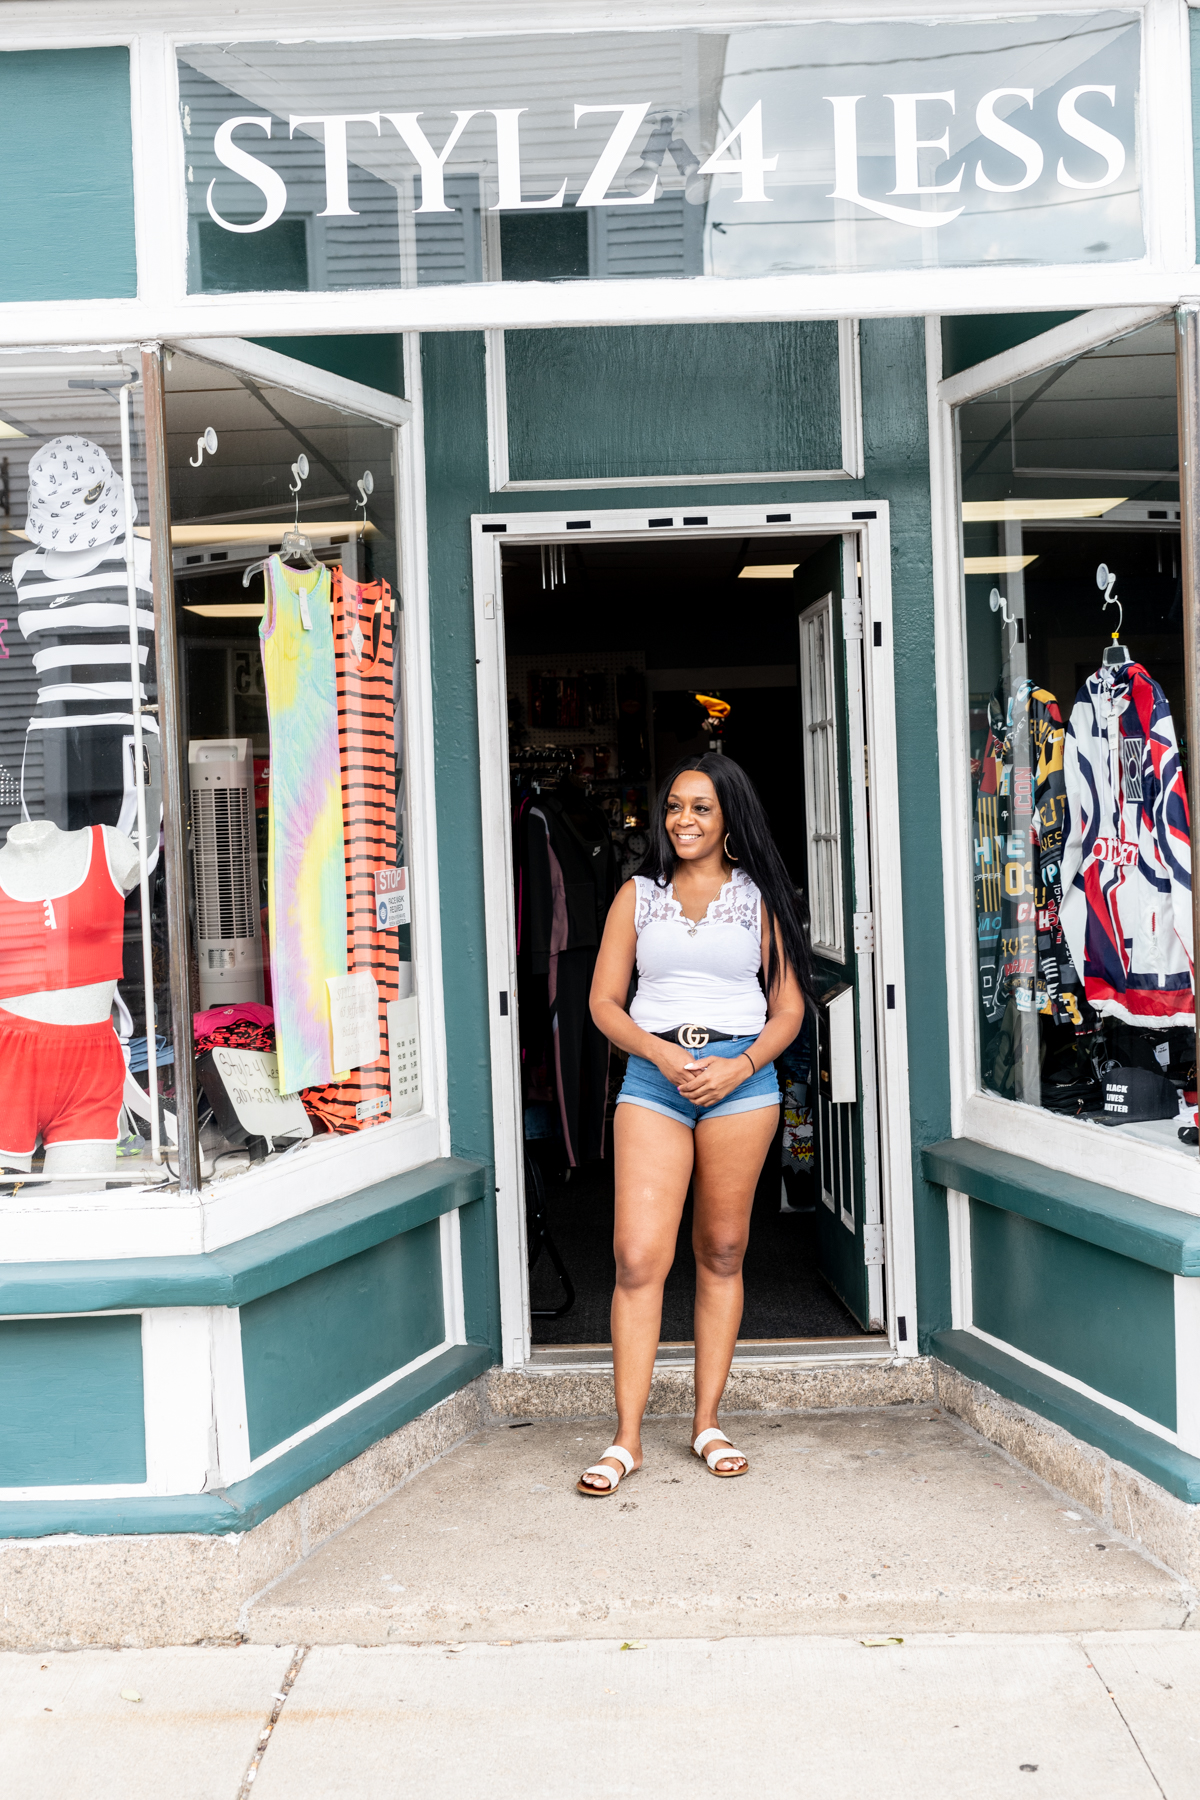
x: 1132, y: 1096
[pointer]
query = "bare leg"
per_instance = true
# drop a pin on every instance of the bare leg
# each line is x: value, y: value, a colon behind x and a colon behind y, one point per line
x: 729, y: 1160
x: 653, y: 1167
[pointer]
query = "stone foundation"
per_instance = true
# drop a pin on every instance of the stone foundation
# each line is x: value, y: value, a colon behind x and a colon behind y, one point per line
x: 185, y: 1587
x: 588, y: 1394
x: 1128, y: 1503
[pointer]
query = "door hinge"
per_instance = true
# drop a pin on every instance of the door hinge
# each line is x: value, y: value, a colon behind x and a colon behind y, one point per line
x: 852, y: 617
x: 872, y: 1245
x: 864, y: 932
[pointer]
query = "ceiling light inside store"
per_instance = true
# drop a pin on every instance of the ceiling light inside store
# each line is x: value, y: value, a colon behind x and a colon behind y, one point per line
x: 984, y: 512
x: 996, y: 565
x: 768, y: 572
x: 10, y: 431
x: 236, y: 609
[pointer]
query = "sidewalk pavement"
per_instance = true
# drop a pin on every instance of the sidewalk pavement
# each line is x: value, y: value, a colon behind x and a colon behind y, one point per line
x: 896, y: 1519
x: 937, y: 1717
x: 487, y: 1630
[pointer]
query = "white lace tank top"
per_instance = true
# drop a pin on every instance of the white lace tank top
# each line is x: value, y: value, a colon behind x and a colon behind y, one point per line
x: 704, y: 973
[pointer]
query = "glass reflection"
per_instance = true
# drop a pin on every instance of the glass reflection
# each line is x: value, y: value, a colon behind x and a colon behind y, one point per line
x: 1081, y: 851
x: 762, y: 151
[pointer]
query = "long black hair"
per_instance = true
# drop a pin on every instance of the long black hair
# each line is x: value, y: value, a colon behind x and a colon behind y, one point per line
x: 751, y: 847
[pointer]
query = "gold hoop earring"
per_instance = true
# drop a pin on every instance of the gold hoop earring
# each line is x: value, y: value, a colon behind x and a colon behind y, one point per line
x: 728, y: 851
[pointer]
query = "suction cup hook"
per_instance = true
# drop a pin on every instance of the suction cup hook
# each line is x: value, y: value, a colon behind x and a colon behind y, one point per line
x: 366, y: 487
x: 1115, y: 652
x: 299, y: 477
x: 999, y: 604
x: 208, y: 441
x: 1106, y: 581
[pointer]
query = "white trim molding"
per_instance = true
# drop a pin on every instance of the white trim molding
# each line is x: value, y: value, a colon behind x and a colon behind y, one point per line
x: 871, y: 530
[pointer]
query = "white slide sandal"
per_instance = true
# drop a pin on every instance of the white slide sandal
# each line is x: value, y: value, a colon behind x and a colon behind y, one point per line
x: 623, y: 1457
x: 722, y: 1454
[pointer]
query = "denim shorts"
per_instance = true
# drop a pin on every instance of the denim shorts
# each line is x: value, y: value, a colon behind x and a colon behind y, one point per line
x: 645, y: 1085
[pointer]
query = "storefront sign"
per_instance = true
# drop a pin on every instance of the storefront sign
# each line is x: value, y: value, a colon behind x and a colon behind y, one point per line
x: 391, y: 898
x: 749, y: 152
x: 249, y: 1085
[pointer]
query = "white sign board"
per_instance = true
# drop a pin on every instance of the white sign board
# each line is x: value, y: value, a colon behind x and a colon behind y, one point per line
x: 404, y: 1053
x: 251, y: 1079
x: 354, y: 1015
x: 391, y: 898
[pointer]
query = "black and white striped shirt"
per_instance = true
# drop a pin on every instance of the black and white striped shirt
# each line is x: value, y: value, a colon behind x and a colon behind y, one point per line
x: 77, y: 620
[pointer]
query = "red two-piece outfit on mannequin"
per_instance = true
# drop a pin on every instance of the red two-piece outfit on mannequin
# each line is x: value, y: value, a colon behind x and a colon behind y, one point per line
x: 62, y: 1081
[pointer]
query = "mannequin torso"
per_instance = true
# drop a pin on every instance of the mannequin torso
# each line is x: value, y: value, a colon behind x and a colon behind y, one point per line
x: 40, y: 862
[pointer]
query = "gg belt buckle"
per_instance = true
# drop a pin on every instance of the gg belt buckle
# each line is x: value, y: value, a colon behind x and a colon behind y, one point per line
x: 692, y: 1037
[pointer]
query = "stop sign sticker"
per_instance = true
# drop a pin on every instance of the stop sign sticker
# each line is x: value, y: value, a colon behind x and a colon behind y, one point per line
x: 391, y: 898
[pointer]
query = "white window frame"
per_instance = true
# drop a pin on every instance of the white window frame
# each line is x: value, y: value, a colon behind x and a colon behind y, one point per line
x: 1070, y: 1145
x: 163, y: 308
x: 872, y: 532
x: 822, y: 792
x: 135, y: 1221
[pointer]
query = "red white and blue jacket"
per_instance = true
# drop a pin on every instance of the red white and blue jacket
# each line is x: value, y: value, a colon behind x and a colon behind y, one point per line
x: 1127, y: 866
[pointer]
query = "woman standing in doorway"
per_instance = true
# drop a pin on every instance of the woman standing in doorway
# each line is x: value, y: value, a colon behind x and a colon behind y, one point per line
x: 724, y: 970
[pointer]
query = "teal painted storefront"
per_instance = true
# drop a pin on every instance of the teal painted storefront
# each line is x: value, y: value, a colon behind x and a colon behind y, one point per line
x: 1075, y: 1287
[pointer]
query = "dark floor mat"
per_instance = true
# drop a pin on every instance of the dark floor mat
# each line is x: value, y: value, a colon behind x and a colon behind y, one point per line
x: 785, y: 1295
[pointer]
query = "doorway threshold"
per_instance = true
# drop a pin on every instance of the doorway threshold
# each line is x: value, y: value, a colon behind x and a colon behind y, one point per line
x: 750, y: 1353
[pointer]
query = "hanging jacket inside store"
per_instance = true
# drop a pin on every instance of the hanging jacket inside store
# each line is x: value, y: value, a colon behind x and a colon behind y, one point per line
x: 1127, y: 866
x: 569, y: 878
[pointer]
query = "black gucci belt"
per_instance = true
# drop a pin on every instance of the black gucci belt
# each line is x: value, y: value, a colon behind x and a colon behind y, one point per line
x: 694, y: 1037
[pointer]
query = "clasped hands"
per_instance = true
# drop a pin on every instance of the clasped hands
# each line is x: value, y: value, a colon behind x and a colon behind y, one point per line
x: 704, y: 1080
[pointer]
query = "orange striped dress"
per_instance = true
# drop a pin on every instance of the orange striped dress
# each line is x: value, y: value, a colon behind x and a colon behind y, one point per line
x: 363, y: 661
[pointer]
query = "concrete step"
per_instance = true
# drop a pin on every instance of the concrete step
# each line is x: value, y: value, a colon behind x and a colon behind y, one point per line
x: 899, y: 1519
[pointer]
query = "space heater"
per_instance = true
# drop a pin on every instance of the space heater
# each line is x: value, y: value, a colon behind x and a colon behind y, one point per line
x: 225, y: 870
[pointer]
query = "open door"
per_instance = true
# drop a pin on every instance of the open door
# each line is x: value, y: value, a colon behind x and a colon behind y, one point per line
x: 839, y: 889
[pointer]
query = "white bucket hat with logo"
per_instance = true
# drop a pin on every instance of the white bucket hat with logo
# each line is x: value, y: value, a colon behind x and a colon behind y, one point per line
x: 76, y: 499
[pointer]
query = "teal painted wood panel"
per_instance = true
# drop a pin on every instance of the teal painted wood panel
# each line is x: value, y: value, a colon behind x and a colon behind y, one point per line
x: 71, y: 1402
x: 66, y: 175
x: 1093, y: 1314
x: 633, y: 401
x: 974, y: 337
x: 248, y: 1503
x: 372, y: 358
x: 310, y: 1347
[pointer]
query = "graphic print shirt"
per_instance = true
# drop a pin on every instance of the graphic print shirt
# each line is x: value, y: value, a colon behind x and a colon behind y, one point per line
x: 1020, y: 820
x: 1127, y: 864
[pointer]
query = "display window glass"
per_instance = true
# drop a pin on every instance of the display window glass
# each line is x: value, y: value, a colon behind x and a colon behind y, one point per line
x: 283, y: 533
x: 1080, y: 839
x: 279, y: 649
x: 84, y: 964
x: 766, y: 150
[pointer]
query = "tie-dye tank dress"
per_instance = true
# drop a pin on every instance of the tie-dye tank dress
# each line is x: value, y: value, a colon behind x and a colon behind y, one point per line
x: 306, y: 856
